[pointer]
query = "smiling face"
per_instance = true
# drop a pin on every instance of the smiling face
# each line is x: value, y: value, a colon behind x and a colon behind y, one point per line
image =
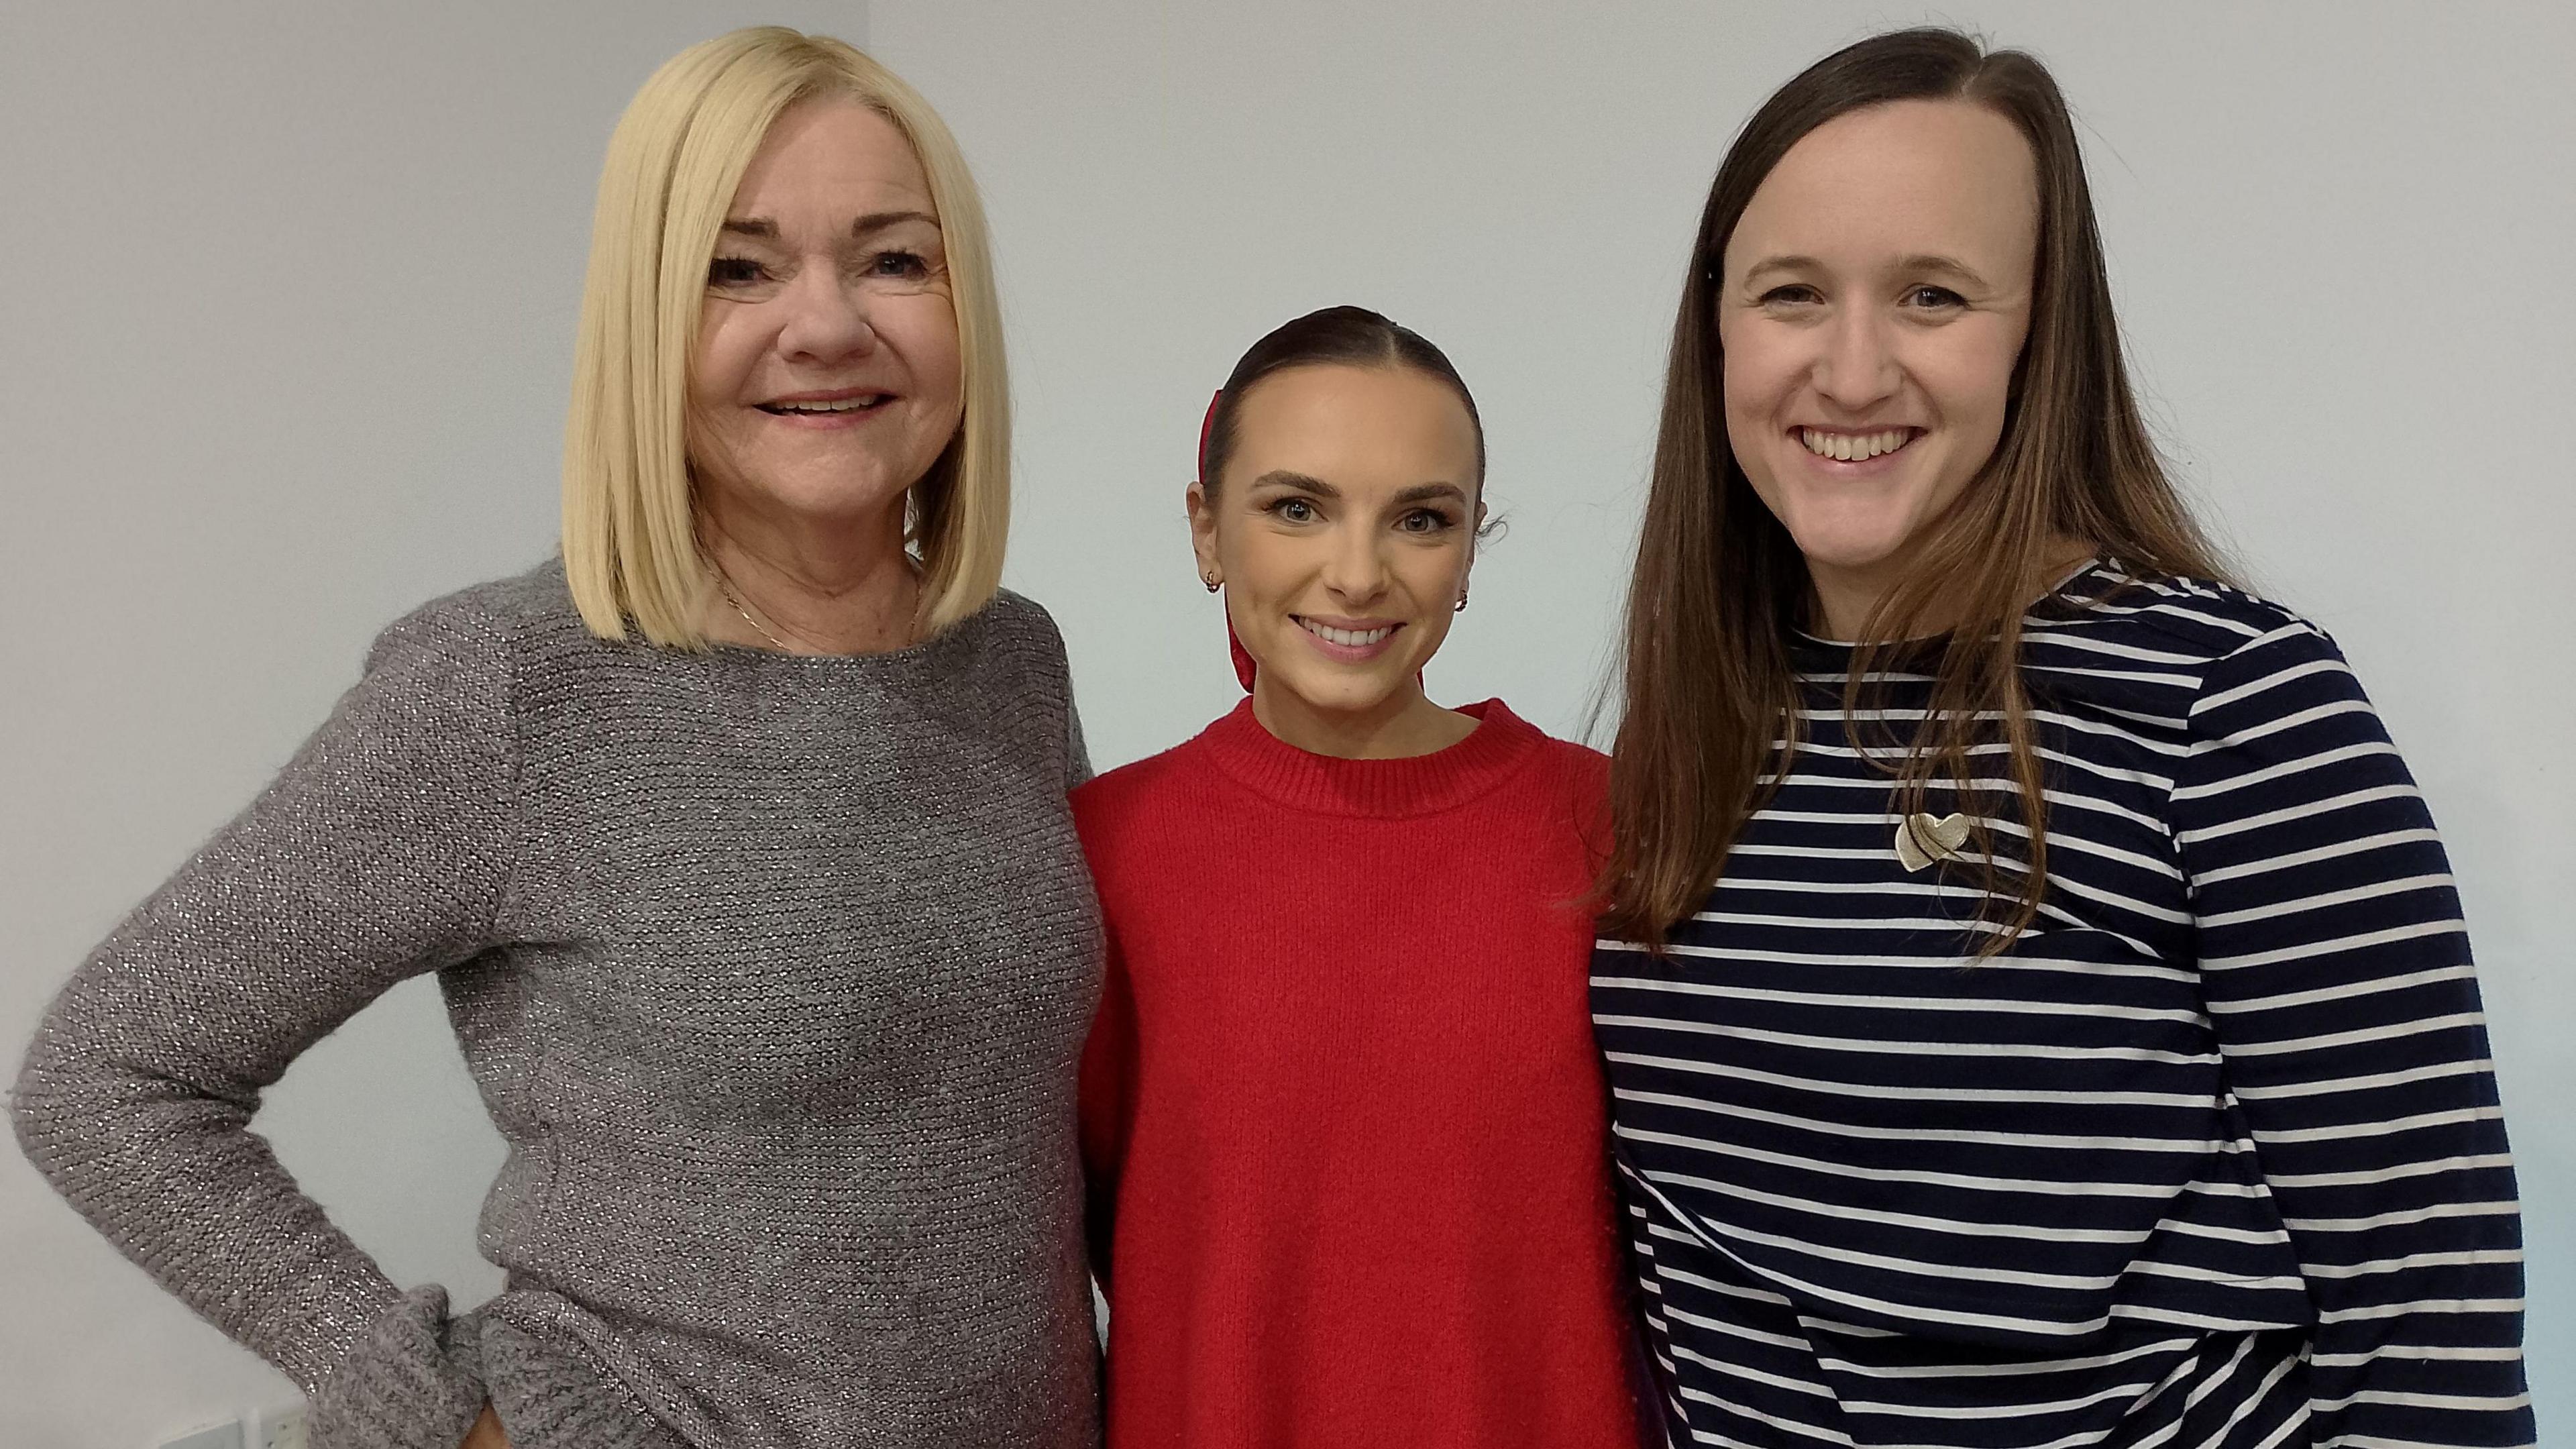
x: 827, y: 376
x: 1343, y: 530
x: 1872, y: 304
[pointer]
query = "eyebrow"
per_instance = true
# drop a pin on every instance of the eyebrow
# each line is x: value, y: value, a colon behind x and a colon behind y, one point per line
x: 1928, y: 262
x: 1304, y: 483
x: 1425, y: 492
x: 867, y: 225
x: 1918, y: 262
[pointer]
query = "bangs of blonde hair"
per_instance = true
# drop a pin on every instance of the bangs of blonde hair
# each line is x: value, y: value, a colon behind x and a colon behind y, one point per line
x: 630, y: 545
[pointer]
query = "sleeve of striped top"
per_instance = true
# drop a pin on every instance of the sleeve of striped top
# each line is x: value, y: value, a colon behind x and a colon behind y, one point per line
x: 2337, y: 971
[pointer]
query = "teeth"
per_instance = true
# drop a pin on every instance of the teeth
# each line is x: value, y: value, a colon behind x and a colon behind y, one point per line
x: 1349, y: 638
x: 1853, y: 447
x: 845, y: 405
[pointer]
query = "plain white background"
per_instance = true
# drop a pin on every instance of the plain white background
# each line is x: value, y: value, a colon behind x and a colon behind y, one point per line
x: 288, y: 325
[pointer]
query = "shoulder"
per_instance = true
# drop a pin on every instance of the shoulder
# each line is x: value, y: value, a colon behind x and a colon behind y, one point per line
x: 1136, y: 819
x: 479, y: 630
x: 1011, y: 645
x: 1019, y: 620
x: 1113, y: 802
x: 496, y: 611
x: 1577, y: 785
x: 2200, y: 637
x: 2184, y: 620
x: 2251, y: 669
x: 1578, y: 764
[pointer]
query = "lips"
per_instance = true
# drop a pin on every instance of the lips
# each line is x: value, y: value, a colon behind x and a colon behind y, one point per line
x: 826, y: 405
x: 1347, y: 638
x: 1349, y: 645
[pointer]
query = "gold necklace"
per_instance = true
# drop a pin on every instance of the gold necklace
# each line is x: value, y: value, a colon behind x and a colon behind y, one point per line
x: 724, y: 586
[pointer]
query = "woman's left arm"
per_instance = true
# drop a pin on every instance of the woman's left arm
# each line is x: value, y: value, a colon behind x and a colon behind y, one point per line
x: 2337, y: 971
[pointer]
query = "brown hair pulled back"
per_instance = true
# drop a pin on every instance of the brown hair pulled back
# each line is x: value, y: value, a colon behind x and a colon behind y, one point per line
x: 1351, y: 336
x: 1707, y: 684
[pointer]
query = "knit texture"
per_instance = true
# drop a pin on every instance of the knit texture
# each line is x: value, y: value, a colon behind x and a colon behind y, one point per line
x: 1342, y: 1111
x: 773, y: 972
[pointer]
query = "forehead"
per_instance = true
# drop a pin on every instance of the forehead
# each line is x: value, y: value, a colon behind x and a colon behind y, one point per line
x: 1356, y: 425
x: 1907, y: 178
x: 831, y: 153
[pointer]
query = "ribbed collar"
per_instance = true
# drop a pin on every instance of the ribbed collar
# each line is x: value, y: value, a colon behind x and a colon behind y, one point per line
x: 1422, y: 785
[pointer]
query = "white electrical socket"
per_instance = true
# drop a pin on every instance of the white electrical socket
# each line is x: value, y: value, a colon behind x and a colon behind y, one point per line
x: 280, y: 1428
x: 222, y: 1436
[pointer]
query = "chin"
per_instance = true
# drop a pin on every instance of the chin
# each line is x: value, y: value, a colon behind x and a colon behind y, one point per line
x: 837, y: 496
x: 1338, y: 694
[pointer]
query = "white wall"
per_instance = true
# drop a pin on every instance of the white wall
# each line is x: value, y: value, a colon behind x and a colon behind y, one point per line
x: 285, y: 340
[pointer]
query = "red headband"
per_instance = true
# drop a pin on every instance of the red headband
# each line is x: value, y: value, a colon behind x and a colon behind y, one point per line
x: 1207, y: 424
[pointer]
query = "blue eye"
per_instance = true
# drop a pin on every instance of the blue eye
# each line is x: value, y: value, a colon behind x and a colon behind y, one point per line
x: 1934, y: 298
x: 898, y: 264
x: 734, y: 272
x: 1795, y: 294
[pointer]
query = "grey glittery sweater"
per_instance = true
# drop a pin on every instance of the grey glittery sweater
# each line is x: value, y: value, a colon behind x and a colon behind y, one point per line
x: 773, y: 972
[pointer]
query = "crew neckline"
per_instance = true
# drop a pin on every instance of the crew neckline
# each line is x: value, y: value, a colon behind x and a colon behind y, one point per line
x: 2055, y: 593
x: 1385, y: 789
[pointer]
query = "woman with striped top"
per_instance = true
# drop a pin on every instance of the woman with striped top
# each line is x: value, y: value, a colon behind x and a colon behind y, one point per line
x: 2035, y: 1002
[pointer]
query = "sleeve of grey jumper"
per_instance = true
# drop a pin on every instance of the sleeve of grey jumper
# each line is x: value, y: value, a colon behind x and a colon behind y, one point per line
x: 379, y: 853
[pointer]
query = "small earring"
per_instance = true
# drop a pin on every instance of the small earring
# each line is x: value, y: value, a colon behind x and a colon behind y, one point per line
x: 1210, y: 579
x: 1461, y: 606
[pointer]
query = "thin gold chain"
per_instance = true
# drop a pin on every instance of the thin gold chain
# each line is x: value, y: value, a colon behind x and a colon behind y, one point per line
x: 724, y: 586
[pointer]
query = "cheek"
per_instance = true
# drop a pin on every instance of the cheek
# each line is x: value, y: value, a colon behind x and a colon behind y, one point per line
x: 1257, y: 560
x: 1762, y: 370
x: 1968, y: 374
x: 730, y: 342
x: 1430, y: 575
x: 924, y: 330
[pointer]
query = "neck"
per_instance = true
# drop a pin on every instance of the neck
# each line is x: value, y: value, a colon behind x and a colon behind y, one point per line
x: 1843, y: 598
x: 1399, y: 727
x: 842, y: 587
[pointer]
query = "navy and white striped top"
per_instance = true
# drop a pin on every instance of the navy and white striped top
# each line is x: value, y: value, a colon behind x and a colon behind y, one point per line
x: 2211, y: 1156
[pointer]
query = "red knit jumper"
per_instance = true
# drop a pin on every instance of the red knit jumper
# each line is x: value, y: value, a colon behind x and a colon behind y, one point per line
x: 1341, y: 1109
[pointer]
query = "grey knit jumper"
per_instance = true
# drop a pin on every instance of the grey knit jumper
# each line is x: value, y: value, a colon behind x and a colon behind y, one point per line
x: 773, y: 972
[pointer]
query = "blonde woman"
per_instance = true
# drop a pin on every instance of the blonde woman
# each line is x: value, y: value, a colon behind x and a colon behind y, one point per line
x: 737, y: 839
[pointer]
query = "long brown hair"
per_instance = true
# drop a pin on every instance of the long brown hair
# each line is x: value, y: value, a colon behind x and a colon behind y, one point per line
x: 1707, y: 683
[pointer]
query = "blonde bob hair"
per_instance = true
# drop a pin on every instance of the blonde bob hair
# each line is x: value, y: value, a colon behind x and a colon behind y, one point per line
x: 630, y: 546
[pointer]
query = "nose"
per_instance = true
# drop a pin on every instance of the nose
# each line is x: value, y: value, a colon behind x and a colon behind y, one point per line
x: 1858, y: 366
x: 1355, y: 570
x: 826, y: 318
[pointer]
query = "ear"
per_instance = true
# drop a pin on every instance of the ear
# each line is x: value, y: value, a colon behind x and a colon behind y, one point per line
x: 1202, y: 513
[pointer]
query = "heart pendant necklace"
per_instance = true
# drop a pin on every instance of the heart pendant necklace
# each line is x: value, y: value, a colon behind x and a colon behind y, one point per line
x: 1922, y: 839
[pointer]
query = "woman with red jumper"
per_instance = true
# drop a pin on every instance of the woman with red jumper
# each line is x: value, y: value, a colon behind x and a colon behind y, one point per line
x: 1341, y: 1110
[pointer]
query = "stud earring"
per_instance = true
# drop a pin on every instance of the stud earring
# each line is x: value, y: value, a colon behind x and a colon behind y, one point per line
x: 1210, y: 579
x: 1461, y: 606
